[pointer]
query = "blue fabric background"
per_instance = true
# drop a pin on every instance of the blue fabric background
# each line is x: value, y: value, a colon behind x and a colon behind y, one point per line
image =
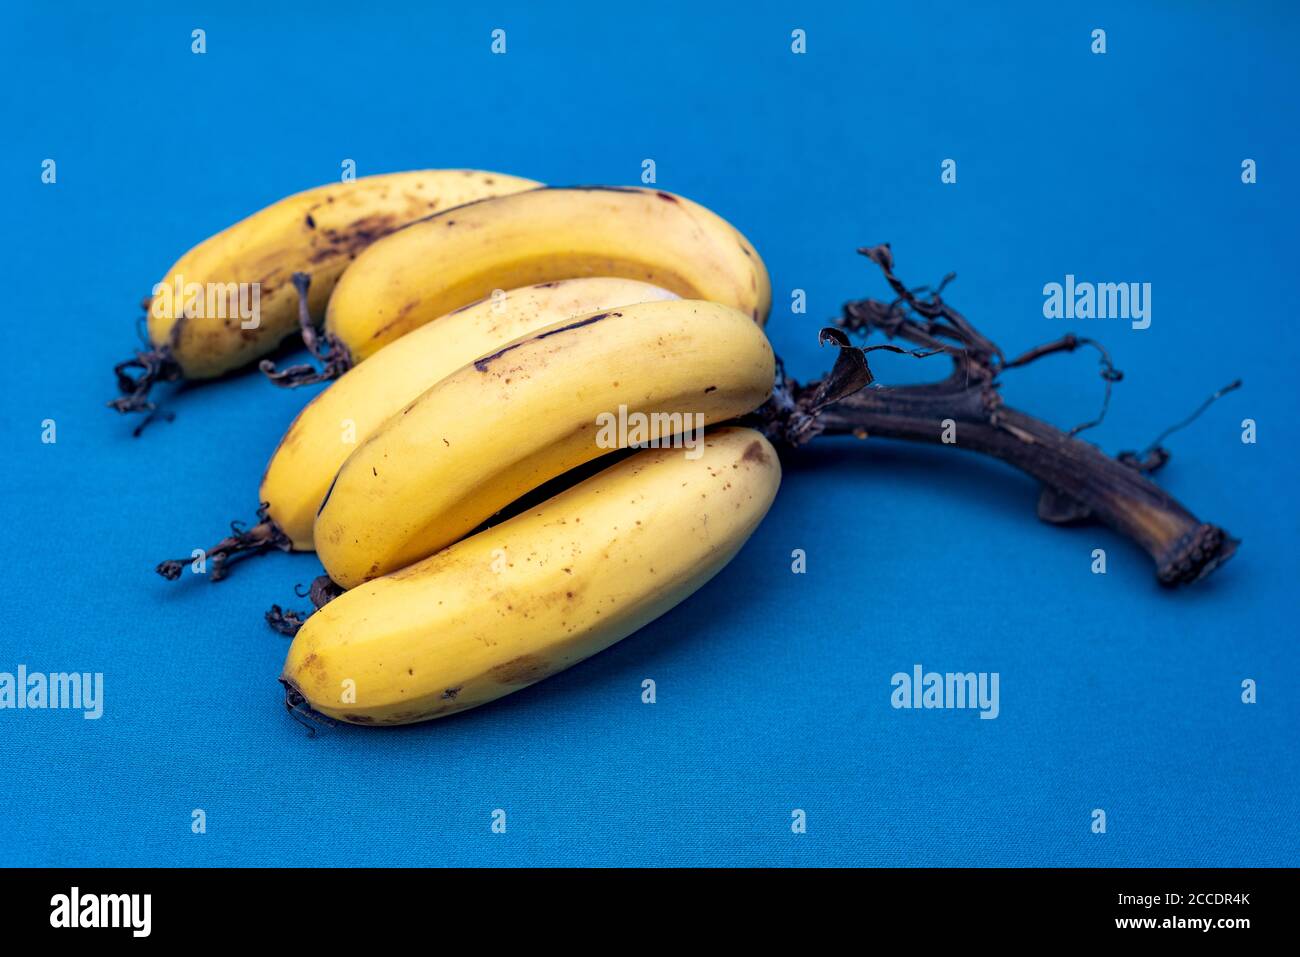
x: 773, y: 687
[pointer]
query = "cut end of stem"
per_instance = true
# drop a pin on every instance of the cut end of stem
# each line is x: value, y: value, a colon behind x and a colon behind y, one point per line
x: 1195, y: 555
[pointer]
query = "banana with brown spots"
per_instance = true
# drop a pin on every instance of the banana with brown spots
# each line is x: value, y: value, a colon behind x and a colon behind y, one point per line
x: 425, y: 271
x: 542, y: 591
x: 514, y: 419
x: 330, y: 427
x: 231, y: 298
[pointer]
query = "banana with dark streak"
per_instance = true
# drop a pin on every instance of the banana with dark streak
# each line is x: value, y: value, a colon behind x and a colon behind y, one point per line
x: 520, y: 601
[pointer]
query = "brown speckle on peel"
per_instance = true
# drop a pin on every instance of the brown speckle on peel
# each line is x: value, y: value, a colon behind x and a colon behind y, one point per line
x: 712, y: 388
x: 450, y: 693
x: 311, y: 223
x: 668, y: 197
x: 359, y: 718
x: 523, y: 670
x: 355, y: 238
x: 407, y: 717
x: 754, y: 453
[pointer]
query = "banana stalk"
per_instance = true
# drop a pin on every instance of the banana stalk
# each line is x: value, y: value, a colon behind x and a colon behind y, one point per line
x: 1080, y: 483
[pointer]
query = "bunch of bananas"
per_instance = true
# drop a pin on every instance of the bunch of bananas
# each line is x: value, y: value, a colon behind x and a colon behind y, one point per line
x: 512, y: 471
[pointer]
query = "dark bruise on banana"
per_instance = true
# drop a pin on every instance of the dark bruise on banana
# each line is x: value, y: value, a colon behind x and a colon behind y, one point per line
x: 326, y: 252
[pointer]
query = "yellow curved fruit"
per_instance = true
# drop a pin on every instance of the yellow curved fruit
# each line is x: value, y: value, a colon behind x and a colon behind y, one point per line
x: 453, y: 258
x: 329, y: 428
x: 538, y: 593
x: 529, y: 412
x: 319, y: 232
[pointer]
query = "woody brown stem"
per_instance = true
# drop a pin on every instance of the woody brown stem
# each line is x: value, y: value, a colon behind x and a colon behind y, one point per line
x: 965, y: 411
x: 1092, y: 483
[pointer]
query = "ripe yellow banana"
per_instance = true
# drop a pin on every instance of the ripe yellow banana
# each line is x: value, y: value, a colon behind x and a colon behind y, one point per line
x: 529, y: 412
x: 441, y: 263
x: 538, y: 593
x: 230, y: 299
x: 329, y: 427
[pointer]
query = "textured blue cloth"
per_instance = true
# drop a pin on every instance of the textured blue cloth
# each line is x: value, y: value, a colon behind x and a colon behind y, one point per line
x: 773, y: 688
